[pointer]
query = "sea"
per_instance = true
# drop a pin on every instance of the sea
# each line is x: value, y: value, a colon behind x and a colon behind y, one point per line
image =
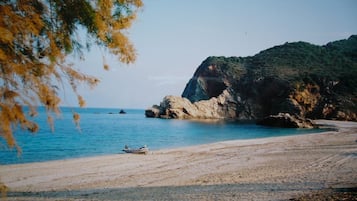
x: 103, y: 131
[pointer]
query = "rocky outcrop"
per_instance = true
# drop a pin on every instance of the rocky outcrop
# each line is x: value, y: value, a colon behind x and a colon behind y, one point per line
x: 221, y: 107
x: 285, y: 120
x: 153, y: 112
x: 301, y: 79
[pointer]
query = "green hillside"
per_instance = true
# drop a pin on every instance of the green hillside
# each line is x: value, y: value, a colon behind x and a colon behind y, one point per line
x: 294, y: 60
x: 301, y: 78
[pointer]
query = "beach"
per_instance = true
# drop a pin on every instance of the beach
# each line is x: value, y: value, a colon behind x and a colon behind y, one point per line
x: 277, y: 168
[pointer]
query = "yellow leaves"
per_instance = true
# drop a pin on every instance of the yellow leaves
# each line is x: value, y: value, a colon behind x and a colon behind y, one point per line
x: 3, y: 56
x: 18, y: 24
x: 111, y: 27
x: 12, y: 116
x: 125, y: 22
x: 106, y: 67
x: 11, y: 113
x: 6, y: 117
x: 9, y: 95
x: 48, y: 97
x: 105, y: 6
x: 76, y: 76
x: 76, y: 119
x: 101, y: 27
x: 55, y: 52
x: 32, y: 127
x: 121, y: 46
x: 81, y: 101
x: 6, y: 35
x: 50, y: 122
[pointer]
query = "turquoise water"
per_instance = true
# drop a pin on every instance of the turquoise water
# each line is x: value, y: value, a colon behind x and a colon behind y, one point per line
x: 104, y: 131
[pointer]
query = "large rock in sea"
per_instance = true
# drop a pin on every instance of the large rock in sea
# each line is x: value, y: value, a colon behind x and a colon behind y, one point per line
x: 301, y: 79
x: 221, y: 107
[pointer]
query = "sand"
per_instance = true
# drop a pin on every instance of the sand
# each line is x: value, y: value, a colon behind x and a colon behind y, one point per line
x: 277, y: 168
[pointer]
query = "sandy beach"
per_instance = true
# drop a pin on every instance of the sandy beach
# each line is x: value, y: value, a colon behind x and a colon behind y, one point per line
x: 278, y: 168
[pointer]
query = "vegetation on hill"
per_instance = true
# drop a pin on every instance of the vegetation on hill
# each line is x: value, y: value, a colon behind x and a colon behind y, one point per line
x: 334, y: 61
x: 300, y: 78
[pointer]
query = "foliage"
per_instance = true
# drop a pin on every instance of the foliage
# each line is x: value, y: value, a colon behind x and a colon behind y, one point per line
x: 318, y: 78
x: 36, y: 38
x: 334, y: 61
x: 296, y: 62
x: 227, y: 66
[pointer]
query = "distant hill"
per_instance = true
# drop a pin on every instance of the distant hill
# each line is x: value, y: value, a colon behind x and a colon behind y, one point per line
x: 298, y: 78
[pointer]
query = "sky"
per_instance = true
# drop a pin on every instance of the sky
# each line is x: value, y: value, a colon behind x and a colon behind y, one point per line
x: 173, y: 37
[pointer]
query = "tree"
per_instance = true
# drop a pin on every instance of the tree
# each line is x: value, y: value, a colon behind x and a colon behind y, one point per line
x: 36, y: 37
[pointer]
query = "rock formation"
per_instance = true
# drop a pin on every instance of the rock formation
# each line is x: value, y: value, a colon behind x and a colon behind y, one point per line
x: 221, y: 107
x: 285, y: 120
x: 301, y: 79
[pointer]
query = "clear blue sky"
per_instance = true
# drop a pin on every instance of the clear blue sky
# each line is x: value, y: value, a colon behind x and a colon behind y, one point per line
x: 173, y: 37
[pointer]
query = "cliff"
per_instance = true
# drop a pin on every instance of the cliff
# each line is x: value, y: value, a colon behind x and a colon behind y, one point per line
x: 301, y: 79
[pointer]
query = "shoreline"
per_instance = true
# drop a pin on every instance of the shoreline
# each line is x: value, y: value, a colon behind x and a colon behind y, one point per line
x: 259, y: 169
x: 304, y: 131
x: 328, y: 127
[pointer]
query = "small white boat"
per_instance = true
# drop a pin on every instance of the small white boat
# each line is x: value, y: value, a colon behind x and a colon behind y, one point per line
x: 141, y: 150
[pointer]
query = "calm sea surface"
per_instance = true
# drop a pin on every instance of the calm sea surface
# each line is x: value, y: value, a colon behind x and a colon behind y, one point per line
x: 104, y: 131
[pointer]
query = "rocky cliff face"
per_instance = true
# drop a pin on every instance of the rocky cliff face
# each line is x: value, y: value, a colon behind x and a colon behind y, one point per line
x: 300, y: 79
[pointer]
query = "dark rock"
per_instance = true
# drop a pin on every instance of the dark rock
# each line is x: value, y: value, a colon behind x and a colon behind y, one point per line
x: 285, y: 120
x: 153, y: 112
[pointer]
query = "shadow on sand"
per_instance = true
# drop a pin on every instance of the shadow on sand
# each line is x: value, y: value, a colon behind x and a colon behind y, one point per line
x: 195, y: 192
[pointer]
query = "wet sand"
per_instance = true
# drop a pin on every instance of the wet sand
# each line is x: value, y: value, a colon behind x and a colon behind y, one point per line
x: 278, y: 168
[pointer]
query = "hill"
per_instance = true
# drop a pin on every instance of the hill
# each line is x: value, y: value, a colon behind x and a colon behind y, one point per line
x: 298, y: 78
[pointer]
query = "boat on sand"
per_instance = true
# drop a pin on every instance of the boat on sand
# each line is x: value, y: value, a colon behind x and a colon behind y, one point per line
x: 141, y: 150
